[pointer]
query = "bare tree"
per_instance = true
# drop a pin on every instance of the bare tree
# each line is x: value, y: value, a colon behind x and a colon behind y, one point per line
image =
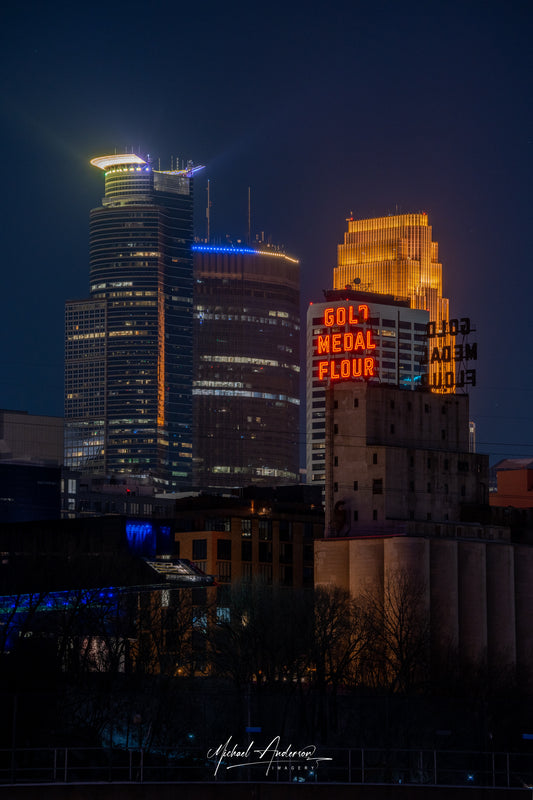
x: 335, y: 652
x: 397, y: 628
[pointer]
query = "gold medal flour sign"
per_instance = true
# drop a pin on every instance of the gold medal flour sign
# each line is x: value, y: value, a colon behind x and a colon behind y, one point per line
x: 348, y: 353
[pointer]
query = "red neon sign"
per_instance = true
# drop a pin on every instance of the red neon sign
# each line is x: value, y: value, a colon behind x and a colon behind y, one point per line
x: 346, y: 344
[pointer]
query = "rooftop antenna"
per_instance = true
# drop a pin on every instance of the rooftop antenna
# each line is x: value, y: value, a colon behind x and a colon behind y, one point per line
x: 249, y: 216
x: 208, y: 212
x: 159, y: 164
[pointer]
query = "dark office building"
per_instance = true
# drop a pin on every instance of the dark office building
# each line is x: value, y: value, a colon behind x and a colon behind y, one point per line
x: 31, y: 454
x: 247, y: 365
x: 128, y: 372
x: 29, y: 492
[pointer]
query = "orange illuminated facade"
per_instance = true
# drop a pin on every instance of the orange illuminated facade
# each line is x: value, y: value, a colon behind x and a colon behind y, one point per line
x: 395, y: 255
x: 515, y: 483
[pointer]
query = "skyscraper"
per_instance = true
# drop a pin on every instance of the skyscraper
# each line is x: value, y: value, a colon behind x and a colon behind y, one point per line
x: 393, y: 255
x: 247, y: 365
x: 396, y: 255
x: 128, y: 372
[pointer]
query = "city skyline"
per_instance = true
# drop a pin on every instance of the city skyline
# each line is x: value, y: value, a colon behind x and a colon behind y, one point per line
x: 362, y: 111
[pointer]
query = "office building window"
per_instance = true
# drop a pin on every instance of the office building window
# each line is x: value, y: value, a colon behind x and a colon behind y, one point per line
x: 224, y: 571
x: 285, y: 530
x: 199, y: 549
x: 308, y: 530
x: 265, y: 530
x: 285, y: 574
x: 218, y: 524
x: 265, y: 572
x: 265, y: 552
x: 224, y: 549
x: 285, y: 553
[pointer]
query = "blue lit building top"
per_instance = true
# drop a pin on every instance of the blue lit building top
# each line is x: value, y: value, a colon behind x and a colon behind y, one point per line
x: 251, y: 251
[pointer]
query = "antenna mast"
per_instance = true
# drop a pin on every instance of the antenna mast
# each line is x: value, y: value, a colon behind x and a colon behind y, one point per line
x: 208, y: 212
x: 249, y: 216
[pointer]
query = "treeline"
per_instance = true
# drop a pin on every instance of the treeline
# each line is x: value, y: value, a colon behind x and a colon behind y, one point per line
x: 170, y: 668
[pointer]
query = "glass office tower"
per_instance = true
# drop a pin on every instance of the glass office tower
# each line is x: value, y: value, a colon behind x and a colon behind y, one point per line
x: 247, y: 366
x: 128, y: 373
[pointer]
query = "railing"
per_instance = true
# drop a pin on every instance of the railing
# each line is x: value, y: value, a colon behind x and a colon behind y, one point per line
x: 356, y: 766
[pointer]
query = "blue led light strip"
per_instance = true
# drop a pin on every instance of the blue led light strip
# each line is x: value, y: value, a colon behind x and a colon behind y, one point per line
x: 204, y: 248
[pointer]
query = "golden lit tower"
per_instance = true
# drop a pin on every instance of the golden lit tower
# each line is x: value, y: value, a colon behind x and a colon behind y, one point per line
x: 394, y: 255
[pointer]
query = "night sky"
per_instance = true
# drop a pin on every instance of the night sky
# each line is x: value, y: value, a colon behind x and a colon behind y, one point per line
x: 364, y: 108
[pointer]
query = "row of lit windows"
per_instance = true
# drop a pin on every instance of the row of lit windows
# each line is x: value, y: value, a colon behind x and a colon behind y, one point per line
x: 201, y: 316
x: 139, y: 293
x: 239, y: 393
x: 220, y: 384
x: 79, y: 336
x: 264, y: 472
x: 262, y: 362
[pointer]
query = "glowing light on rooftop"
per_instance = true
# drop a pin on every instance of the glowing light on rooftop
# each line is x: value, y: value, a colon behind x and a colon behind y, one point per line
x: 188, y: 172
x: 205, y: 248
x: 103, y: 162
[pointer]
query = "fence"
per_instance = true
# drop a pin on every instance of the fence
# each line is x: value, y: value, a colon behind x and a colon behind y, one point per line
x: 356, y: 766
